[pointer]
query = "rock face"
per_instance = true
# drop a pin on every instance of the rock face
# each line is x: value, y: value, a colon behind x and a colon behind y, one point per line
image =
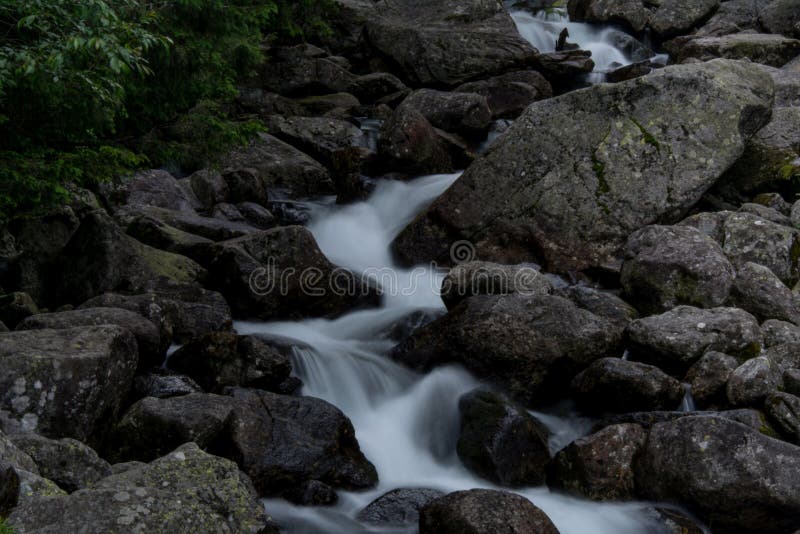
x: 617, y: 385
x: 730, y: 475
x: 500, y: 442
x: 185, y: 490
x: 676, y: 339
x: 67, y: 383
x: 605, y: 159
x: 447, y: 43
x: 148, y: 338
x: 768, y: 49
x: 398, y: 507
x: 599, y: 466
x: 670, y: 265
x: 518, y: 343
x: 478, y: 511
x: 483, y: 278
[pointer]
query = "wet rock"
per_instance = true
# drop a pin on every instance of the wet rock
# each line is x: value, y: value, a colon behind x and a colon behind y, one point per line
x: 447, y: 43
x: 463, y: 113
x: 280, y: 273
x: 783, y: 410
x: 67, y: 462
x: 412, y: 145
x: 163, y: 385
x: 483, y: 278
x: 148, y: 338
x: 101, y: 258
x: 730, y: 475
x: 184, y: 490
x: 280, y: 165
x: 67, y: 383
x: 599, y: 466
x: 676, y: 339
x: 779, y: 332
x: 771, y: 157
x: 672, y: 521
x: 152, y: 427
x: 370, y: 88
x: 398, y: 507
x: 182, y: 312
x: 708, y: 378
x: 754, y: 380
x: 500, y: 441
x: 311, y: 493
x: 617, y: 385
x: 767, y: 49
x: 283, y: 441
x: 320, y: 137
x: 509, y: 94
x: 516, y: 342
x: 632, y: 13
x: 758, y: 291
x: 670, y: 265
x: 220, y: 359
x: 209, y: 187
x: 563, y: 67
x: 674, y: 17
x: 629, y: 72
x: 155, y: 188
x: 477, y: 511
x: 749, y: 238
x: 599, y: 162
x: 782, y: 16
x: 14, y: 307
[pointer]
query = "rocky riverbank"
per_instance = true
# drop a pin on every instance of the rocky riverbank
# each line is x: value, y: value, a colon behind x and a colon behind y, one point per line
x: 627, y: 242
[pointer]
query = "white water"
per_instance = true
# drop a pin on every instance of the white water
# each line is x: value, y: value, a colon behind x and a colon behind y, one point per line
x: 406, y: 424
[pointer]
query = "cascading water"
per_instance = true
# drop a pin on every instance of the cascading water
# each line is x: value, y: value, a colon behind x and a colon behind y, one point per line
x: 406, y: 424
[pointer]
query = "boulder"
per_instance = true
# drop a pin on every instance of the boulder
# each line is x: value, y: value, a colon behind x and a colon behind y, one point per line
x: 398, y: 507
x: 151, y: 349
x: 322, y: 138
x: 212, y: 228
x: 749, y: 238
x: 280, y: 165
x: 783, y: 409
x: 209, y: 187
x: 220, y: 359
x: 758, y: 291
x: 15, y: 307
x: 156, y: 233
x: 411, y: 144
x: 599, y: 172
x: 181, y: 312
x: 462, y: 113
x: 599, y: 466
x: 500, y: 441
x: 331, y: 105
x: 733, y: 16
x: 708, y: 378
x: 282, y: 442
x: 765, y: 212
x: 101, y: 258
x: 483, y: 278
x: 447, y: 43
x: 617, y: 385
x: 67, y: 462
x: 771, y: 158
x: 256, y: 215
x: 509, y: 94
x: 162, y: 384
x: 154, y: 187
x: 782, y: 16
x: 603, y: 303
x: 753, y: 381
x: 280, y: 273
x: 303, y: 70
x: 676, y: 339
x: 371, y: 87
x: 675, y: 17
x: 767, y: 49
x: 531, y: 347
x: 728, y: 474
x: 311, y: 493
x: 631, y: 13
x: 186, y: 490
x: 478, y: 511
x: 779, y: 332
x: 67, y: 383
x: 670, y: 265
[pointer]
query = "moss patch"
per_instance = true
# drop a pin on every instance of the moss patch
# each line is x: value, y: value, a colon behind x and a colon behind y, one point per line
x: 649, y: 138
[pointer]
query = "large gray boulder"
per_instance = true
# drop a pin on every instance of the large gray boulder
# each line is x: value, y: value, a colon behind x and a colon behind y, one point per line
x: 67, y: 383
x: 758, y: 291
x: 676, y: 339
x: 478, y: 511
x: 708, y: 378
x: 456, y: 112
x: 670, y: 265
x: 782, y: 16
x: 186, y: 490
x: 322, y: 138
x: 730, y: 475
x: 767, y: 49
x: 399, y: 506
x: 629, y: 12
x: 447, y: 43
x: 750, y: 238
x: 674, y: 17
x: 483, y: 278
x: 753, y: 381
x: 608, y: 160
x: 529, y: 346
